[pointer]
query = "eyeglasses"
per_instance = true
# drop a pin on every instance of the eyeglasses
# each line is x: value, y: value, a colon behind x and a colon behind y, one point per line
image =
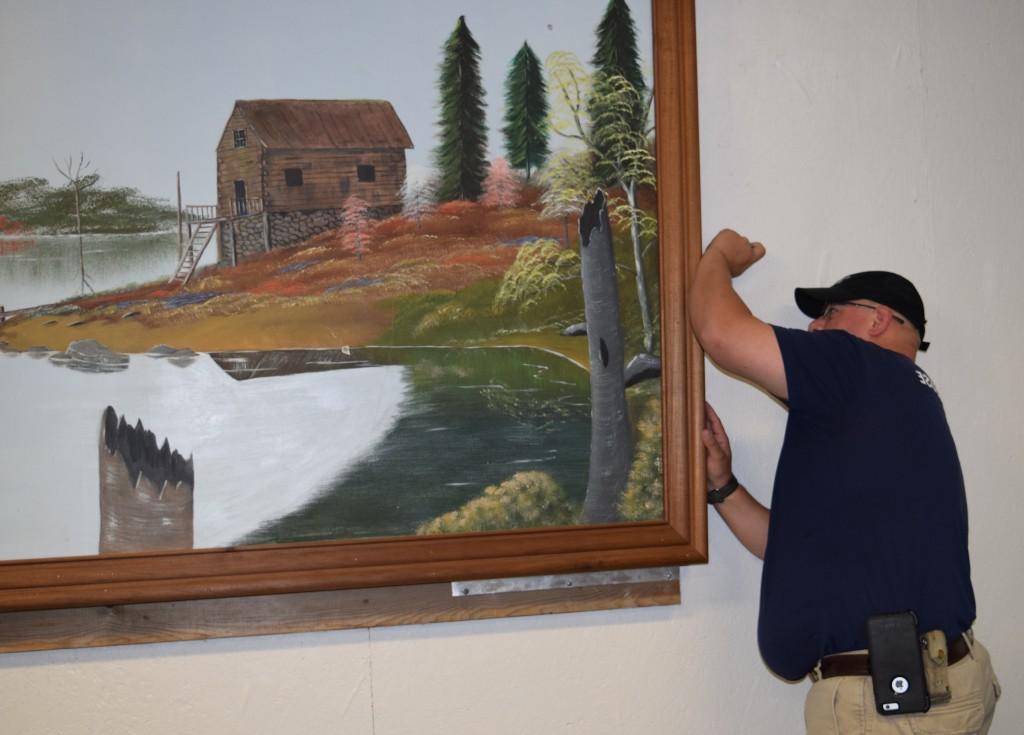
x: 830, y: 310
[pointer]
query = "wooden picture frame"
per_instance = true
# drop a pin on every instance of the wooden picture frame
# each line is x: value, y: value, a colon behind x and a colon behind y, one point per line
x: 681, y: 538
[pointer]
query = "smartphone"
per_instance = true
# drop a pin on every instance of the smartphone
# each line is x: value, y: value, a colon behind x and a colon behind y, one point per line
x: 897, y: 670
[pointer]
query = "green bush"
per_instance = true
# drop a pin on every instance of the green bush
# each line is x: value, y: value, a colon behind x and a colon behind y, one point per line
x: 525, y: 500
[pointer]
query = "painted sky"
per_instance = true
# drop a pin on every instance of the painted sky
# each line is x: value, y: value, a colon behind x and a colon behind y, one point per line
x: 144, y: 87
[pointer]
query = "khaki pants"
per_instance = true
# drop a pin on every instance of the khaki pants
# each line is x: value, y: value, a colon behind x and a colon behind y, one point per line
x: 844, y: 705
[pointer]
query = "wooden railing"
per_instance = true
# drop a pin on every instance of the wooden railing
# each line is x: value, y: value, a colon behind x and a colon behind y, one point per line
x: 246, y: 206
x: 200, y: 212
x: 236, y: 208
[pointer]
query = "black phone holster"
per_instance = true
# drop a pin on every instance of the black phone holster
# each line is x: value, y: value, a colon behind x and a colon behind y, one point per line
x: 897, y: 669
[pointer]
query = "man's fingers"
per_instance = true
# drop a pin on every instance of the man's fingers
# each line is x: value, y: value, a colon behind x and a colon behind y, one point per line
x: 758, y: 251
x: 714, y: 425
x: 711, y: 444
x: 711, y: 419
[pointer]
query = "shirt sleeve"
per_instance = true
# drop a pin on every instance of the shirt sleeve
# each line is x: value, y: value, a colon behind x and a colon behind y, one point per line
x: 824, y: 370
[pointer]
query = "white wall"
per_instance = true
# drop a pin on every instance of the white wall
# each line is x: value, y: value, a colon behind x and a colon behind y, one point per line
x: 846, y: 136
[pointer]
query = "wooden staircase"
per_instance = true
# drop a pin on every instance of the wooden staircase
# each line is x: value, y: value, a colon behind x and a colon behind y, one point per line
x: 201, y: 238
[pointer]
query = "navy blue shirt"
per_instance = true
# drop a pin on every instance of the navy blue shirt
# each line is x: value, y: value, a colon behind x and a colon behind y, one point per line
x: 868, y: 513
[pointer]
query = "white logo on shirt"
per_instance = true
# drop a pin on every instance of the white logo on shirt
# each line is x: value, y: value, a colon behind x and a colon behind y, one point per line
x: 925, y: 380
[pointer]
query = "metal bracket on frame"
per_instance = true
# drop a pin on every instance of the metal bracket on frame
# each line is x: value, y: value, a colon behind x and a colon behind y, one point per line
x: 563, y: 581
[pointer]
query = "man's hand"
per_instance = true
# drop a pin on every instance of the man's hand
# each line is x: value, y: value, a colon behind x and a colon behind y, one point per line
x: 738, y: 251
x: 746, y: 517
x: 719, y: 453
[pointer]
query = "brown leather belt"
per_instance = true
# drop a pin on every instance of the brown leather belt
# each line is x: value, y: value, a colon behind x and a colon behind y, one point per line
x: 856, y: 664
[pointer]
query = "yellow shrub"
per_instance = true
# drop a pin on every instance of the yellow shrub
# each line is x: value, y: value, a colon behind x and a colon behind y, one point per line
x: 525, y: 500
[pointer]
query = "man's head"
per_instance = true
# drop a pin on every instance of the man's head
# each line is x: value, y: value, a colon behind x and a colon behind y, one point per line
x: 877, y: 306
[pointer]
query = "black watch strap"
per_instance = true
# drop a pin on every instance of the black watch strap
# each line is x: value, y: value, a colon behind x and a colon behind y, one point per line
x: 721, y: 493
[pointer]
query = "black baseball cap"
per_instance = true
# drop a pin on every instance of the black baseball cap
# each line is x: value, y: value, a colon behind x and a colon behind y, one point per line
x: 890, y: 289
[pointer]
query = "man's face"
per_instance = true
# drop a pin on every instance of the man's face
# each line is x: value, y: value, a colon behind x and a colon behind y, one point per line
x: 854, y: 317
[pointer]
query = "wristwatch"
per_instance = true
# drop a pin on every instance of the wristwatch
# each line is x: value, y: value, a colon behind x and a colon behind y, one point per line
x: 721, y: 493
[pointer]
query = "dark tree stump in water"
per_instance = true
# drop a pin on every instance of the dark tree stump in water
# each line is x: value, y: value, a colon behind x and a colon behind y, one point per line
x: 145, y: 490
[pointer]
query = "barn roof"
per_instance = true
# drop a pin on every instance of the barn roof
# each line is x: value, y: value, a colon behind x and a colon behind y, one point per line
x: 298, y: 124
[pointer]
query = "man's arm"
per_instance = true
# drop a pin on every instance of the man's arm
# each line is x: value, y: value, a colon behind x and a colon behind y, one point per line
x: 733, y: 337
x: 746, y: 518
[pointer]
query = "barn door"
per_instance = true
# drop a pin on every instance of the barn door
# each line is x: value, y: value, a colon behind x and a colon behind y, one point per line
x: 240, y: 197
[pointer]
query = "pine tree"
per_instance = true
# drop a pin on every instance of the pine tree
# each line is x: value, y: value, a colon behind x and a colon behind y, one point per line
x: 616, y: 45
x: 461, y: 156
x: 616, y: 58
x: 526, y: 112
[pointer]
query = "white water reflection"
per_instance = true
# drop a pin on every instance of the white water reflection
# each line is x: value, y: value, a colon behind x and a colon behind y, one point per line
x: 262, y: 448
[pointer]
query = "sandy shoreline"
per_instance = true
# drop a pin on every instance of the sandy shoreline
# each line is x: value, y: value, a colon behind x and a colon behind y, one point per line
x: 309, y: 326
x: 325, y: 324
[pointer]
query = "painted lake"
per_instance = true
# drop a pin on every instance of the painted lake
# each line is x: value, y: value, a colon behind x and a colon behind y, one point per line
x: 317, y: 451
x: 38, y: 270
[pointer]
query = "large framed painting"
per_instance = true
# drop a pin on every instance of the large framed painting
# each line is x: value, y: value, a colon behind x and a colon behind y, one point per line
x: 312, y: 299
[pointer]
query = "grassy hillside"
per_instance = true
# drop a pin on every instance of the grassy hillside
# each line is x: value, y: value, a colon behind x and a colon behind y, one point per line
x: 463, y: 274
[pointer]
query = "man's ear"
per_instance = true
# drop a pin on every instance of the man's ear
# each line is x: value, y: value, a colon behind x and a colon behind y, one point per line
x: 881, y: 321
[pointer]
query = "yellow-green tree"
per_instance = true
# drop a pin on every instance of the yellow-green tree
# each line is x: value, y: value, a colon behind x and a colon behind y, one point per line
x: 617, y: 145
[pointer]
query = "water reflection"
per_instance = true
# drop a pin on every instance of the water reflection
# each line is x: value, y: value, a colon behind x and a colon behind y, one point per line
x: 286, y: 446
x: 473, y: 418
x: 261, y: 448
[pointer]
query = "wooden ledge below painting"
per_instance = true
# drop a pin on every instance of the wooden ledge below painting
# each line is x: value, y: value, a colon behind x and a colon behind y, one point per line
x: 188, y: 620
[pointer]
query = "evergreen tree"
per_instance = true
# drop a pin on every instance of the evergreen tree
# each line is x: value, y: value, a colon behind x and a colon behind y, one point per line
x: 616, y: 45
x: 526, y: 112
x: 616, y: 58
x: 461, y: 156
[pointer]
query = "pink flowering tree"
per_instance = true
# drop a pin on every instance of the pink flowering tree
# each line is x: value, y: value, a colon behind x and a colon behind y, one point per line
x: 357, y: 226
x: 502, y: 186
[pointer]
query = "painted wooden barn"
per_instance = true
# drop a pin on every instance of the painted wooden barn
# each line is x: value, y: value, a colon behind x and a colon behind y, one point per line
x: 286, y: 167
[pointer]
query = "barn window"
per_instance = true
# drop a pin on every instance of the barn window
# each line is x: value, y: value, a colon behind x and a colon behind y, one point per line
x: 293, y: 176
x: 240, y: 138
x: 366, y: 173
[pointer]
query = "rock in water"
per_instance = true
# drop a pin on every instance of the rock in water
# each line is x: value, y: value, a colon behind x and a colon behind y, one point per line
x: 90, y: 356
x: 174, y: 355
x: 643, y: 367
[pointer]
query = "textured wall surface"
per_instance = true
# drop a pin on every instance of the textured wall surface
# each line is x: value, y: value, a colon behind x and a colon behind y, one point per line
x: 843, y: 135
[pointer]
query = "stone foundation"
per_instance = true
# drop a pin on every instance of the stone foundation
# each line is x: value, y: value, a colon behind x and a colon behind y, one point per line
x: 244, y: 237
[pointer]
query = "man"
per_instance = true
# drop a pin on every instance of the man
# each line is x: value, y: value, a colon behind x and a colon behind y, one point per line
x: 868, y: 513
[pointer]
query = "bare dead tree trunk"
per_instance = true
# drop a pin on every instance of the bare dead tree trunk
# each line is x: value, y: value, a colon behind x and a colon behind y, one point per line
x: 78, y: 180
x: 610, y: 433
x: 78, y: 228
